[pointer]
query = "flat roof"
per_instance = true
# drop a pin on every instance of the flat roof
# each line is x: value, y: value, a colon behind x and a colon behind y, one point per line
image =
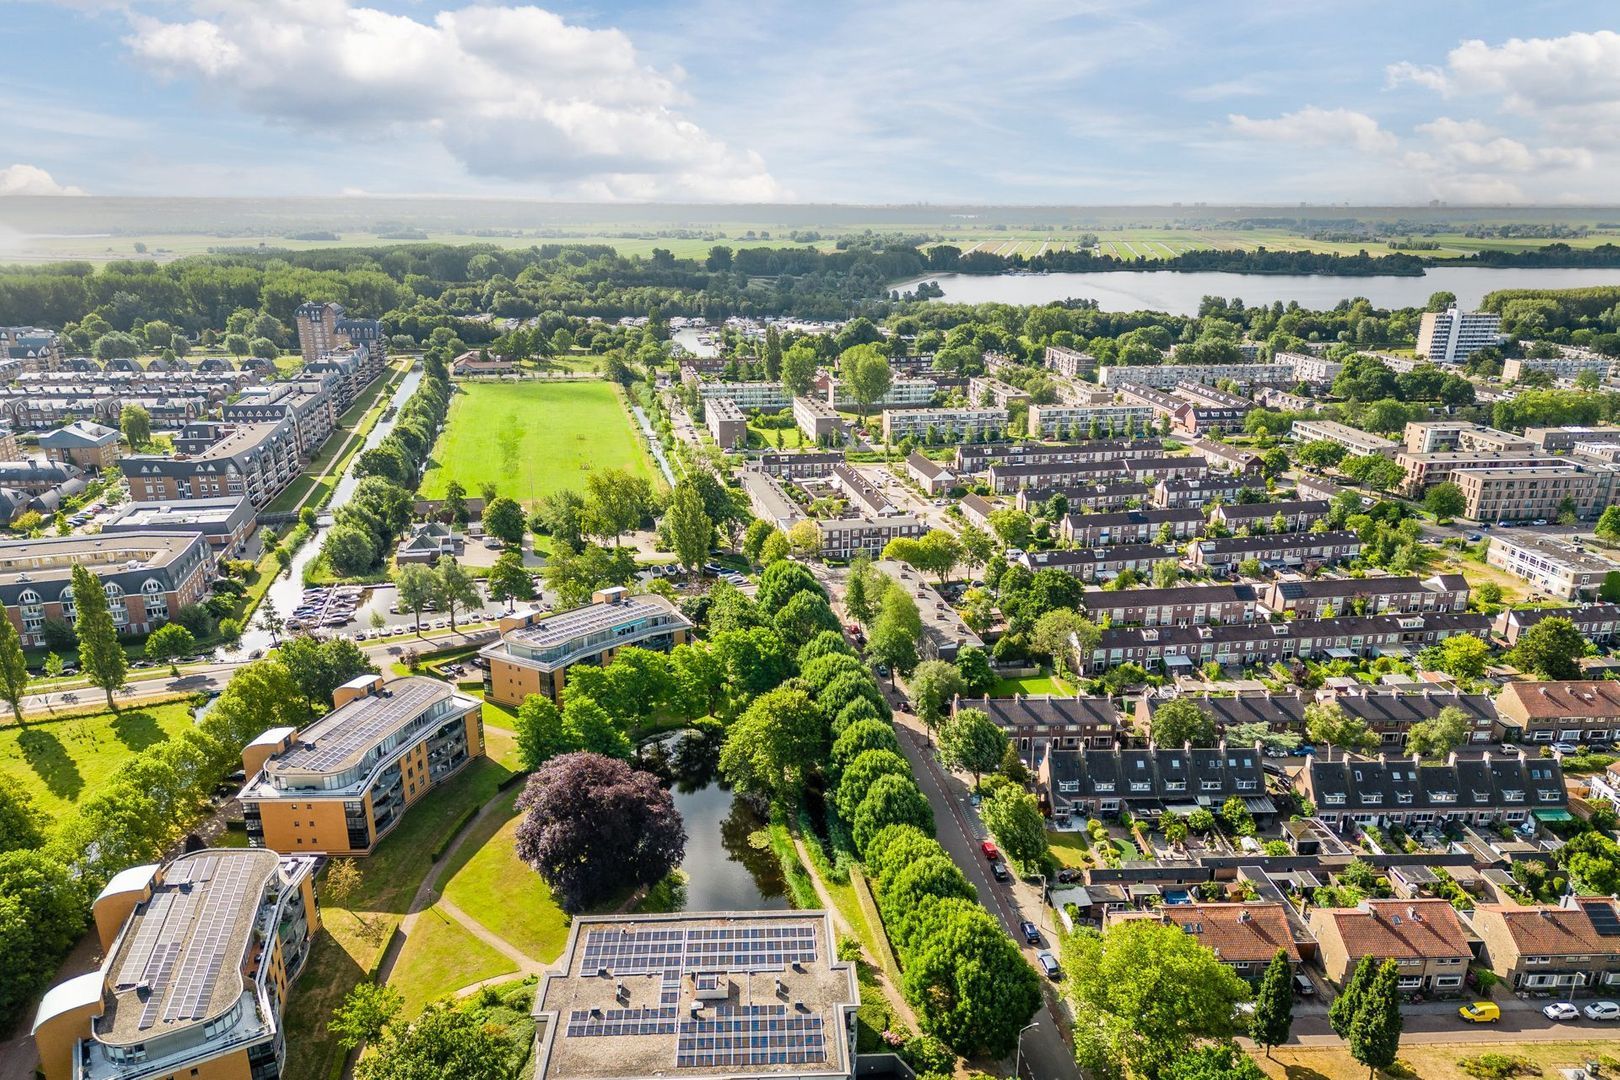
x: 563, y: 628
x: 341, y: 738
x: 179, y: 958
x: 156, y: 515
x: 744, y: 994
x: 52, y: 558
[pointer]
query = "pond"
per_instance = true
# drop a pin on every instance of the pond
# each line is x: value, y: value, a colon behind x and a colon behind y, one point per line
x: 1179, y: 293
x: 724, y: 869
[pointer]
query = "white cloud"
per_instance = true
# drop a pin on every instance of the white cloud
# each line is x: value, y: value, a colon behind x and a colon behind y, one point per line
x: 514, y: 93
x: 1574, y: 71
x: 1407, y: 72
x: 1312, y: 126
x: 31, y: 180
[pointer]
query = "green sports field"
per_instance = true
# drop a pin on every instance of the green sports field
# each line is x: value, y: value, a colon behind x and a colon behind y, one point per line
x: 530, y: 439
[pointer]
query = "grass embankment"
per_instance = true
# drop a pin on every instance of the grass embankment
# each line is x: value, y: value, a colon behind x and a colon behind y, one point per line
x: 59, y: 760
x: 531, y: 439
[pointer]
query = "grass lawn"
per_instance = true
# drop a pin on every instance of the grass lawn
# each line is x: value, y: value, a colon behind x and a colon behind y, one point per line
x: 792, y: 438
x: 1436, y: 1061
x: 489, y: 882
x: 1069, y: 848
x: 348, y: 950
x: 1034, y: 684
x: 439, y: 958
x: 58, y: 762
x: 531, y: 439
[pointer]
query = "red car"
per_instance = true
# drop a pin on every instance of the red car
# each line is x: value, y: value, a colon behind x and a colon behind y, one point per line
x: 990, y: 851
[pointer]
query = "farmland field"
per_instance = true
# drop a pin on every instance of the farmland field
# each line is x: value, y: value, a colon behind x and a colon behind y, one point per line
x: 531, y: 439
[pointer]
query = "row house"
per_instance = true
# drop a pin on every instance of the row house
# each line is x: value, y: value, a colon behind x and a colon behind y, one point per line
x: 1424, y: 937
x: 1077, y: 419
x: 862, y: 492
x: 1389, y: 714
x: 1181, y: 650
x: 1182, y: 605
x: 1039, y: 722
x: 1552, y: 949
x: 977, y: 510
x: 31, y: 347
x: 1562, y: 712
x: 843, y: 538
x: 934, y: 477
x: 1354, y: 440
x: 1351, y: 791
x: 947, y: 424
x: 1316, y: 488
x: 1068, y: 362
x: 1096, y: 498
x: 1598, y: 623
x: 255, y: 461
x: 799, y: 466
x: 1089, y: 783
x: 1315, y: 598
x: 1182, y: 467
x: 1130, y: 527
x: 1202, y: 490
x: 768, y: 499
x: 1165, y: 376
x: 1100, y: 564
x: 1007, y: 478
x: 985, y: 390
x: 1244, y: 936
x: 1293, y: 550
x: 1224, y: 457
x: 1297, y: 515
x: 971, y: 458
x: 23, y: 411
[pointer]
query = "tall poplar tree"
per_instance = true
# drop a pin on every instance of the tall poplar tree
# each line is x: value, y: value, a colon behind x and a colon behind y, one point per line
x: 1274, y: 1003
x: 13, y: 668
x: 101, y: 658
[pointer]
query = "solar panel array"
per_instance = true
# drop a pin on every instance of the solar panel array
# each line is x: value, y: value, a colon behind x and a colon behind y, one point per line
x: 338, y: 740
x: 1603, y: 919
x: 584, y: 1023
x: 731, y: 948
x: 750, y: 1035
x: 582, y: 621
x: 206, y: 950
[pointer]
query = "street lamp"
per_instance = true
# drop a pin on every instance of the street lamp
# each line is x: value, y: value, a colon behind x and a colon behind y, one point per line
x: 1018, y: 1059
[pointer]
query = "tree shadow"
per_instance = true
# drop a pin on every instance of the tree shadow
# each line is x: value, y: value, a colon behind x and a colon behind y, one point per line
x: 138, y: 730
x: 49, y: 759
x: 1303, y: 1072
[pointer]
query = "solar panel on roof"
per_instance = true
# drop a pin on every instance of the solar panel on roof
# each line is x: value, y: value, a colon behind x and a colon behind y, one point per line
x: 140, y: 949
x: 369, y: 720
x: 205, y: 952
x: 1603, y: 919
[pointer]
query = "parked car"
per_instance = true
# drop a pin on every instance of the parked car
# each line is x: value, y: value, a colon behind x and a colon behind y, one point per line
x: 1031, y: 932
x: 1602, y: 1010
x: 1481, y: 1012
x: 1474, y: 537
x: 1561, y: 1010
x: 990, y: 850
x: 1565, y: 748
x: 1049, y: 965
x: 1539, y: 522
x: 998, y: 870
x: 1303, y: 985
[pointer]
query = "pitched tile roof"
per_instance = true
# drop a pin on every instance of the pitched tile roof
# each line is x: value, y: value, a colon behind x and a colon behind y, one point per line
x: 1397, y: 929
x: 1238, y: 933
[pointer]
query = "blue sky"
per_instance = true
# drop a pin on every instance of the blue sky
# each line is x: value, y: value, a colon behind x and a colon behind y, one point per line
x: 1013, y: 101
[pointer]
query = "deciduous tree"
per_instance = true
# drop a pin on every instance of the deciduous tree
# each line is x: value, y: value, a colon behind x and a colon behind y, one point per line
x: 1014, y: 819
x: 168, y: 643
x: 773, y: 746
x: 690, y: 530
x: 101, y: 657
x: 933, y: 686
x: 415, y: 586
x: 972, y: 987
x: 365, y: 1012
x: 1180, y: 721
x: 1551, y: 648
x: 508, y: 580
x: 456, y: 588
x: 1375, y: 1033
x: 970, y: 740
x: 503, y: 519
x: 891, y: 800
x: 13, y: 670
x: 442, y: 1041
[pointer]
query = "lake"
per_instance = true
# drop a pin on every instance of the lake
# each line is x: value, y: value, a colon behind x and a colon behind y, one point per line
x: 1179, y: 293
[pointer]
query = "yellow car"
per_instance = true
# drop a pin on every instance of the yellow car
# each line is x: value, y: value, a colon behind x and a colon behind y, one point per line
x: 1481, y: 1012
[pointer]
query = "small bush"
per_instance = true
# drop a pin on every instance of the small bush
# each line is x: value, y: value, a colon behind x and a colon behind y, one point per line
x: 1499, y: 1066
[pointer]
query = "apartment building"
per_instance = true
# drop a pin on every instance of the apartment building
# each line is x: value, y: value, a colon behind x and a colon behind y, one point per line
x: 1245, y: 936
x: 1530, y: 494
x: 225, y: 523
x: 1424, y: 937
x: 1598, y: 623
x: 1315, y: 598
x: 147, y: 576
x: 347, y: 372
x: 843, y: 538
x: 31, y: 348
x: 932, y: 476
x: 1452, y: 336
x: 1087, y: 783
x: 1164, y: 376
x: 988, y: 391
x: 1354, y: 440
x: 1390, y: 714
x: 1568, y: 438
x: 1005, y: 478
x: 748, y: 396
x: 1093, y: 497
x: 325, y: 329
x: 1068, y: 362
x: 1191, y: 416
x: 1429, y: 436
x: 1552, y: 949
x: 1283, y: 400
x: 1424, y: 469
x: 1297, y: 515
x: 1568, y: 712
x: 729, y: 996
x: 1410, y: 792
x: 903, y: 393
x: 1224, y: 457
x: 799, y: 466
x: 1202, y: 490
x: 818, y: 421
x: 213, y: 460
x: 1182, y: 605
x: 948, y: 425
x: 977, y: 458
x: 1130, y: 526
x: 1564, y: 366
x: 727, y: 423
x: 339, y: 785
x: 1076, y: 421
x: 1040, y: 721
x: 308, y: 403
x: 768, y: 500
x: 200, y: 957
x: 1274, y: 551
x: 1552, y: 564
x: 1100, y: 564
x: 1214, y: 396
x: 534, y: 652
x: 1309, y: 368
x: 83, y: 443
x: 57, y: 479
x: 1183, y: 650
